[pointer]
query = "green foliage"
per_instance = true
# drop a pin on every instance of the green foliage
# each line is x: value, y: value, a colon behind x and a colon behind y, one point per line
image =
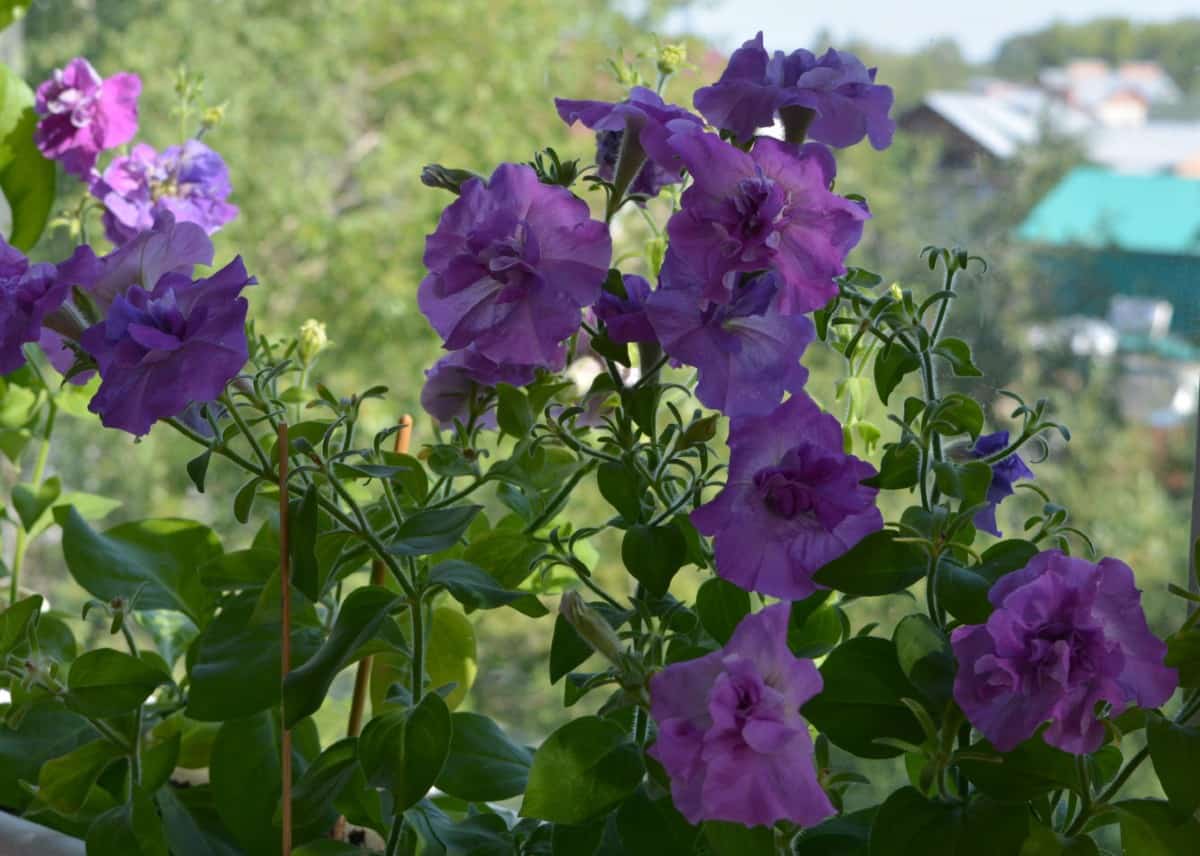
x: 26, y: 178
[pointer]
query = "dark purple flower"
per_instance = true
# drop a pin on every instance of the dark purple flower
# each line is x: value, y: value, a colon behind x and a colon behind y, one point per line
x: 1004, y: 473
x: 27, y: 294
x: 625, y: 317
x: 845, y: 102
x: 770, y: 209
x: 645, y: 114
x: 82, y: 115
x: 166, y: 340
x: 1066, y: 636
x: 730, y: 733
x: 793, y: 501
x: 461, y: 380
x: 191, y: 182
x: 511, y: 266
x: 747, y: 354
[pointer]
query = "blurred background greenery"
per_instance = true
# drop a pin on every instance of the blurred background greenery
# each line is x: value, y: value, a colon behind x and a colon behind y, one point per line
x: 333, y: 108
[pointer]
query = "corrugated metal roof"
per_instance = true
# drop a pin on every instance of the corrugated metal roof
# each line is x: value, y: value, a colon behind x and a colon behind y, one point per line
x: 1096, y: 207
x: 1002, y: 124
x: 1157, y: 146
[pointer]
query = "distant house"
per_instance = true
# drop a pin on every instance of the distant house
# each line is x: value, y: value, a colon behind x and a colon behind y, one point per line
x: 1114, y: 97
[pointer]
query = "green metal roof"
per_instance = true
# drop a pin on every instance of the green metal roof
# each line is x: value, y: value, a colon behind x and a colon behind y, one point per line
x: 1138, y: 213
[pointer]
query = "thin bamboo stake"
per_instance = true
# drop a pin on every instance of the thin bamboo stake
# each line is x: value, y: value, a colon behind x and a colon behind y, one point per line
x: 285, y: 642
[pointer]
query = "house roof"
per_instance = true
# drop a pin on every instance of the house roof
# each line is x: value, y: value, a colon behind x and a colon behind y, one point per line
x: 1003, y: 123
x: 1095, y: 207
x: 1154, y: 147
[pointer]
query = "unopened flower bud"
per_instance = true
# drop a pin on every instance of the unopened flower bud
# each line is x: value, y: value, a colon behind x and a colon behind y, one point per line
x: 213, y: 116
x: 311, y: 340
x: 592, y: 627
x: 445, y: 178
x: 671, y: 57
x: 896, y: 292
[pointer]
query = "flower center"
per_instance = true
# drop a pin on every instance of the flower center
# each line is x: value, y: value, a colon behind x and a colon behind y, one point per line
x: 799, y: 485
x: 759, y: 205
x: 1061, y: 652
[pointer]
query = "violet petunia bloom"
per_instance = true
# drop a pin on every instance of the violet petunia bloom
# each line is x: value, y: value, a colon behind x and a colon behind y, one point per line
x: 460, y: 381
x: 730, y: 733
x: 81, y: 115
x: 512, y: 264
x: 645, y: 114
x: 747, y: 355
x: 1066, y: 635
x: 28, y: 293
x: 769, y: 209
x: 190, y: 181
x: 625, y: 319
x: 1004, y: 474
x: 832, y: 99
x: 793, y: 501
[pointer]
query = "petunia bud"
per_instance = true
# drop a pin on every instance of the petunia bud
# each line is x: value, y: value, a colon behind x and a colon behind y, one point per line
x: 311, y: 340
x: 671, y: 58
x: 445, y: 177
x: 592, y: 627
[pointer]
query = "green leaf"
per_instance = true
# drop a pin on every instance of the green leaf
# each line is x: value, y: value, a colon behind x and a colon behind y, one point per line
x: 47, y: 731
x: 1046, y: 842
x: 31, y: 502
x: 963, y: 591
x: 311, y: 432
x: 240, y: 569
x: 1027, y: 772
x: 958, y: 354
x: 899, y: 469
x: 324, y: 781
x: 623, y: 487
x: 302, y: 543
x: 514, y: 414
x: 968, y: 482
x: 197, y: 468
x: 814, y: 626
x: 925, y: 657
x: 130, y: 829
x: 568, y: 650
x: 891, y: 365
x: 358, y: 621
x: 432, y: 531
x: 1175, y: 752
x: 483, y: 765
x: 410, y: 476
x: 506, y: 554
x: 653, y: 827
x: 861, y: 700
x: 580, y: 771
x: 721, y: 606
x: 243, y: 501
x: 1149, y: 828
x: 876, y: 565
x: 406, y: 751
x: 957, y: 414
x: 733, y: 839
x: 192, y: 825
x: 907, y: 824
x: 844, y: 835
x: 64, y: 783
x: 27, y: 179
x: 1183, y: 654
x: 450, y: 656
x: 244, y: 773
x: 474, y: 588
x: 105, y: 682
x: 12, y: 10
x: 653, y: 555
x: 16, y: 621
x: 161, y: 556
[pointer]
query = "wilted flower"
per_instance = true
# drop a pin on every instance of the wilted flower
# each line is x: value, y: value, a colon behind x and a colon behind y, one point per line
x: 834, y: 97
x: 81, y: 115
x: 793, y: 501
x: 625, y: 318
x: 770, y: 209
x: 730, y: 733
x: 27, y: 294
x: 1004, y: 473
x: 190, y: 181
x: 511, y: 266
x: 460, y: 382
x: 1066, y: 636
x: 747, y: 355
x: 644, y: 114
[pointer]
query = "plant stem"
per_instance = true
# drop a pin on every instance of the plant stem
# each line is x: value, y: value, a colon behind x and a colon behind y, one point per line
x: 931, y: 594
x: 416, y: 606
x: 393, y: 842
x: 39, y: 473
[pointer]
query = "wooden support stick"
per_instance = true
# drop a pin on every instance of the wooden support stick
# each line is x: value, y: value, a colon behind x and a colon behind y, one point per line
x: 285, y: 642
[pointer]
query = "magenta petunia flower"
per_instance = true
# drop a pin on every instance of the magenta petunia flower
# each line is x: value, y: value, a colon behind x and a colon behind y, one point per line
x: 1066, y: 636
x: 461, y: 380
x: 28, y: 293
x: 643, y: 113
x: 747, y: 354
x: 82, y: 115
x: 770, y: 209
x: 190, y: 181
x: 845, y: 102
x: 511, y: 266
x: 730, y: 733
x: 166, y: 339
x: 625, y: 317
x: 793, y: 501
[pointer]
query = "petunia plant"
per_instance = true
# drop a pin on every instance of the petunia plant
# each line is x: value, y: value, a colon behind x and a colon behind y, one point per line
x: 776, y: 631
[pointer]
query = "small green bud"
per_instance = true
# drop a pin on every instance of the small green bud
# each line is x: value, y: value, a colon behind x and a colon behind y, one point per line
x: 311, y: 340
x: 671, y: 57
x: 212, y: 117
x: 592, y: 627
x: 896, y: 292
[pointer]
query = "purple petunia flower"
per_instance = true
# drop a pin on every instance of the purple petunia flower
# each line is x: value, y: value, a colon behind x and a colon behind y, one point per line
x: 793, y: 501
x: 511, y: 266
x: 768, y: 209
x: 166, y: 340
x: 28, y: 293
x: 833, y: 97
x: 1066, y: 635
x: 82, y: 115
x: 730, y: 733
x: 625, y: 318
x: 461, y: 379
x: 1004, y: 473
x: 747, y: 355
x: 189, y: 181
x: 645, y: 114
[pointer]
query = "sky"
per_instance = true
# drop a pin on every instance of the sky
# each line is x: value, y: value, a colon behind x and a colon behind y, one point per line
x: 977, y: 26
